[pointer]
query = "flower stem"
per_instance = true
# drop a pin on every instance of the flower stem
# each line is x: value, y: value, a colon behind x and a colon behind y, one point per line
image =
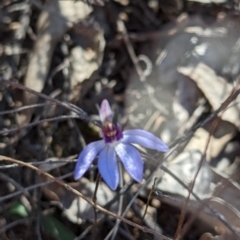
x: 94, y: 198
x: 149, y: 197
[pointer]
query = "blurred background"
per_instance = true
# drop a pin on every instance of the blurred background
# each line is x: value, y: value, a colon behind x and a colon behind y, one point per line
x: 169, y: 67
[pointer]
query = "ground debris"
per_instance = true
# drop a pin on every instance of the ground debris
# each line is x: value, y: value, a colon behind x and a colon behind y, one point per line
x: 169, y: 67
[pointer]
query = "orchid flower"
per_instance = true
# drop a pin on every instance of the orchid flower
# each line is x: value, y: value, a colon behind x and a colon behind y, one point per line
x: 116, y: 143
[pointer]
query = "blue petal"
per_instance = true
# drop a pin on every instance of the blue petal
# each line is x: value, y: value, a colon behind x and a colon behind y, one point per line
x: 108, y: 168
x: 86, y: 157
x: 145, y: 139
x: 131, y: 160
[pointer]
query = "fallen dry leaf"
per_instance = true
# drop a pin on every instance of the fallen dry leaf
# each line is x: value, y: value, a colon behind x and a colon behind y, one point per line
x: 55, y: 19
x: 216, y: 89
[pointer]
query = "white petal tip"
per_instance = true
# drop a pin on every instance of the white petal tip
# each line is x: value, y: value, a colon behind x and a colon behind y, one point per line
x: 105, y: 111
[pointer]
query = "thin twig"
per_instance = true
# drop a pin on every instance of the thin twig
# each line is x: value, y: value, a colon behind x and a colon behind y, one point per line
x: 27, y: 189
x: 204, y: 122
x: 69, y: 188
x: 48, y: 161
x: 15, y: 223
x: 25, y: 107
x: 130, y: 49
x: 82, y: 114
x: 179, y: 234
x: 63, y: 117
x: 219, y: 216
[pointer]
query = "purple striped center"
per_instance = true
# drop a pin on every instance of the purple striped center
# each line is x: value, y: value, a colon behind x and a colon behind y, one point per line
x: 111, y: 132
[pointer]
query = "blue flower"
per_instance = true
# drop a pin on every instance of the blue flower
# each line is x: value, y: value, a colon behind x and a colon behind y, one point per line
x: 116, y: 143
